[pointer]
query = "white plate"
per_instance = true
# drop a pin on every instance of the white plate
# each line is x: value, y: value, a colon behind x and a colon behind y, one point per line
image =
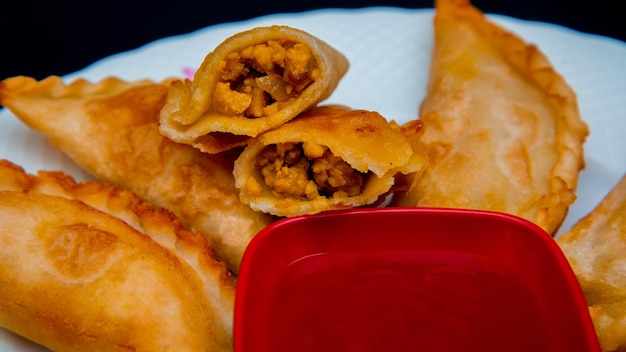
x: 389, y: 51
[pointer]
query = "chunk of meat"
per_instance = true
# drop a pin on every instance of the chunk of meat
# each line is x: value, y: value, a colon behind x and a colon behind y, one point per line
x: 261, y: 79
x: 334, y: 176
x: 308, y: 171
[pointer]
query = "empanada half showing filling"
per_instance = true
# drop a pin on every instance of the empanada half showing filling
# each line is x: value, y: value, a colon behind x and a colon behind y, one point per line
x: 252, y: 82
x: 330, y: 157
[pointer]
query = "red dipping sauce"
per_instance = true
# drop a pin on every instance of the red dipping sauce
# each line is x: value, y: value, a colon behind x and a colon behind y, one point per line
x: 408, y: 280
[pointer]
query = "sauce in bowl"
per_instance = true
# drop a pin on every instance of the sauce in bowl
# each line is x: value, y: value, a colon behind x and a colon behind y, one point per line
x: 390, y: 301
x: 416, y: 279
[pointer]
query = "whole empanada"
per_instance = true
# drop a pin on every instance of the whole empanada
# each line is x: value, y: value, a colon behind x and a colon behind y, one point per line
x: 111, y: 129
x: 595, y: 247
x: 90, y: 267
x: 501, y: 125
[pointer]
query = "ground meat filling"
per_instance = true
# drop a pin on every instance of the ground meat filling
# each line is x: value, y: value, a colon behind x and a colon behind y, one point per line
x: 308, y: 171
x: 261, y: 79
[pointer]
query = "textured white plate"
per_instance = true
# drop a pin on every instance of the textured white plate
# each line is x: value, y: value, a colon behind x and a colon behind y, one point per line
x: 389, y: 51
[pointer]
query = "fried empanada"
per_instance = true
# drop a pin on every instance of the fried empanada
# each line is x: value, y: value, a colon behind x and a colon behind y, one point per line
x: 110, y: 129
x: 252, y: 82
x: 501, y: 125
x: 90, y: 267
x: 595, y: 248
x: 330, y: 157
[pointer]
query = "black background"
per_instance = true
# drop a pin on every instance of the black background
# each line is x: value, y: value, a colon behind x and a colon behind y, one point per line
x: 41, y: 38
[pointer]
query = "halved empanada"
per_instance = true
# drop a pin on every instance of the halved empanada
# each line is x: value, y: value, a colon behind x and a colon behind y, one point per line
x: 252, y: 82
x: 330, y: 157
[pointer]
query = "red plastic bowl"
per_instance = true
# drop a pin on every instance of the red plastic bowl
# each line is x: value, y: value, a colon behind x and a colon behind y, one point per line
x: 408, y: 279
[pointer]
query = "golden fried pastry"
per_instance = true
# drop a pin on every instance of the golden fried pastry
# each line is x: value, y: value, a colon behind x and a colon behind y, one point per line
x: 252, y: 82
x: 330, y: 157
x: 595, y: 248
x: 89, y: 267
x: 110, y: 129
x: 501, y: 125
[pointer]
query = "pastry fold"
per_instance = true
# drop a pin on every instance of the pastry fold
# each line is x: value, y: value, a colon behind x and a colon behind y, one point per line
x: 110, y: 129
x: 330, y: 157
x: 501, y: 125
x: 595, y: 248
x: 90, y: 267
x: 252, y: 82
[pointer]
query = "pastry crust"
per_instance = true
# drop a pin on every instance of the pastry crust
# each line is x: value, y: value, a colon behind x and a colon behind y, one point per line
x: 253, y: 81
x: 90, y: 267
x: 330, y: 157
x: 501, y: 125
x: 110, y: 129
x: 595, y: 248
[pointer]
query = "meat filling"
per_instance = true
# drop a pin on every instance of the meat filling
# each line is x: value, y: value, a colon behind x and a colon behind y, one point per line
x: 261, y: 79
x: 308, y: 171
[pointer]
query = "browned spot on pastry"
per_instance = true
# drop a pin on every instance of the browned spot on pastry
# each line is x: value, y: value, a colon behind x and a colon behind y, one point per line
x: 79, y: 250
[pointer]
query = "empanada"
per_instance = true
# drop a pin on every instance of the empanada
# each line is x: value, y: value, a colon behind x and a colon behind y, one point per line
x: 330, y: 157
x: 110, y: 129
x: 501, y: 125
x: 89, y: 267
x: 252, y: 82
x: 595, y: 248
